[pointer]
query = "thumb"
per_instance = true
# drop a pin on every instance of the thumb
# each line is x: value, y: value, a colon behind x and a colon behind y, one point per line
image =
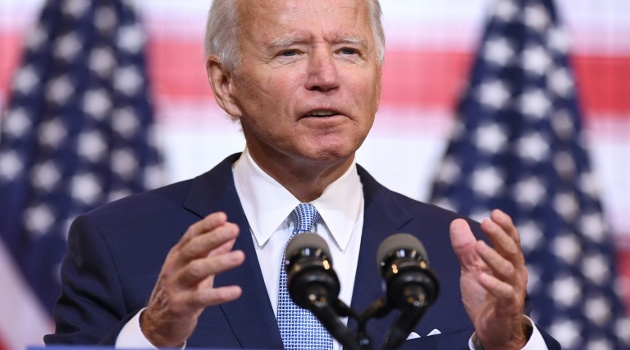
x: 463, y: 242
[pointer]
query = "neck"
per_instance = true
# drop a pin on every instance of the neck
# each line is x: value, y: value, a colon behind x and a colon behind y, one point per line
x: 305, y: 179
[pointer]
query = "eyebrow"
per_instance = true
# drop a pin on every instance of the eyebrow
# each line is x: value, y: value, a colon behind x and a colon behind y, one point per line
x: 288, y: 42
x: 355, y: 40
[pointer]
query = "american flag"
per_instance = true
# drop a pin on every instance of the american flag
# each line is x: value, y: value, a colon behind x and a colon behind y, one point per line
x: 77, y: 133
x: 518, y: 146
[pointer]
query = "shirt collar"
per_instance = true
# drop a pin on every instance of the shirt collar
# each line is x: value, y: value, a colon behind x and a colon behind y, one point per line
x: 267, y: 204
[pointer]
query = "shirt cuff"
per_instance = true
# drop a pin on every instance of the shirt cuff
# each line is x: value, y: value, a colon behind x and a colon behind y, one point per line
x: 131, y: 336
x: 535, y: 342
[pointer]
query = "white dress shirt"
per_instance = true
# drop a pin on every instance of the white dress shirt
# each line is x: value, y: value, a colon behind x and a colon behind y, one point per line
x: 268, y: 206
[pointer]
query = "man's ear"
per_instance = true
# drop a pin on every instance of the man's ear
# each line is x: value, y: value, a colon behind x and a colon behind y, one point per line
x: 220, y: 80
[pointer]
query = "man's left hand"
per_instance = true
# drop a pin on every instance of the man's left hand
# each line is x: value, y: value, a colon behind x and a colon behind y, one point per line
x: 493, y: 281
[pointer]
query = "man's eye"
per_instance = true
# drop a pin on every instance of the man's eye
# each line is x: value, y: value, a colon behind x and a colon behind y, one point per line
x: 288, y: 53
x: 348, y: 51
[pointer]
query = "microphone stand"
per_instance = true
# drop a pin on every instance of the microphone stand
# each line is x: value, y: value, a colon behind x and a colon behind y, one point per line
x: 398, y: 334
x: 328, y: 311
x: 360, y: 341
x: 378, y: 309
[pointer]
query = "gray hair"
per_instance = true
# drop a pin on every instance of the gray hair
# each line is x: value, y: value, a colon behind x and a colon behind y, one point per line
x: 222, y: 32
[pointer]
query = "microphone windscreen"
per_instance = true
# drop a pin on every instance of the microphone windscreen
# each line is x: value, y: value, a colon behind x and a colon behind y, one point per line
x: 397, y: 242
x: 307, y: 240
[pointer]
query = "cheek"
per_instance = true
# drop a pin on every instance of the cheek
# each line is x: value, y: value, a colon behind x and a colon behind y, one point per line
x: 365, y: 83
x: 368, y: 96
x: 269, y: 94
x: 375, y: 84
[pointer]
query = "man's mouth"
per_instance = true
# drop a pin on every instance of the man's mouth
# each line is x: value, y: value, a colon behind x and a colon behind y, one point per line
x: 321, y: 113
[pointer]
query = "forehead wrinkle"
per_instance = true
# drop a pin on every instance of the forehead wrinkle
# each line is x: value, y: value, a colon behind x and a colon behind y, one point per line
x: 284, y: 18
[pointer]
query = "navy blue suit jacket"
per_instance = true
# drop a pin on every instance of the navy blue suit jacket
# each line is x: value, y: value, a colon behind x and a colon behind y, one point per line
x: 116, y: 253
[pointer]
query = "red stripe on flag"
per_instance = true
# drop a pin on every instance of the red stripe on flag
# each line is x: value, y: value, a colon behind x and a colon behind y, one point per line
x: 3, y: 346
x: 177, y: 69
x: 423, y: 79
x: 434, y: 79
x: 603, y: 83
x: 9, y: 59
x: 623, y: 265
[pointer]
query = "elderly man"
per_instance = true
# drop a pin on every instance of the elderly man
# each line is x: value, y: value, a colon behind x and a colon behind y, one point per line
x: 303, y: 77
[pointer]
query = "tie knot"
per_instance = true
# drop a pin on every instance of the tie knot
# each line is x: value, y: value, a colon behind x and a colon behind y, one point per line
x: 305, y: 216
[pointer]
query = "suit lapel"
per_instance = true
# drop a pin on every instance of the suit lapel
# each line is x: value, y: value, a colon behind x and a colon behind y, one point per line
x: 383, y: 216
x: 251, y: 316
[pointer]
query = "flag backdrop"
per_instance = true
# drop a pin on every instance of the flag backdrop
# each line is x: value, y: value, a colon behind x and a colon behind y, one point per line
x: 430, y: 45
x: 518, y: 146
x: 76, y: 135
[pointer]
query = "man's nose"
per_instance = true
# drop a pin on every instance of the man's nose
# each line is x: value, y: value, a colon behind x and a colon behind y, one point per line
x: 322, y: 71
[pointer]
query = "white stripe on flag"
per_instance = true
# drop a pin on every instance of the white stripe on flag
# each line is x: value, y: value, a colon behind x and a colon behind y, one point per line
x: 23, y: 321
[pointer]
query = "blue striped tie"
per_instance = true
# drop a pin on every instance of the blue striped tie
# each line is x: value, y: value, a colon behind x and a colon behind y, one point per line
x: 298, y: 327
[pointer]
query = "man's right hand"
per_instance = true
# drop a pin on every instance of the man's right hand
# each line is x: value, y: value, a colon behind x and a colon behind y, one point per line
x: 186, y: 283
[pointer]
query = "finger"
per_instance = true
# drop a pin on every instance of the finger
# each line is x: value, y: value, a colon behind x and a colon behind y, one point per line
x: 463, y: 242
x: 202, y: 245
x: 198, y: 270
x: 227, y: 245
x: 502, y: 241
x: 505, y: 221
x: 204, y: 225
x: 500, y: 267
x: 497, y: 288
x: 205, y: 297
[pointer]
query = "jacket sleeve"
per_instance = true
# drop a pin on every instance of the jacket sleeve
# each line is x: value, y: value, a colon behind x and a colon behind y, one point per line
x: 91, y: 308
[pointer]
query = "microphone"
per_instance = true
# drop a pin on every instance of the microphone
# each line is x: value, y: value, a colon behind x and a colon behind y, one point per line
x: 314, y: 285
x: 411, y: 285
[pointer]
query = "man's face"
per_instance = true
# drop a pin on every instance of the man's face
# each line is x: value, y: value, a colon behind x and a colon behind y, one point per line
x: 309, y: 83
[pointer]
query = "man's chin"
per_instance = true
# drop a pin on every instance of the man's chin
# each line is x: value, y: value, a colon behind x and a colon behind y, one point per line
x: 330, y: 156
